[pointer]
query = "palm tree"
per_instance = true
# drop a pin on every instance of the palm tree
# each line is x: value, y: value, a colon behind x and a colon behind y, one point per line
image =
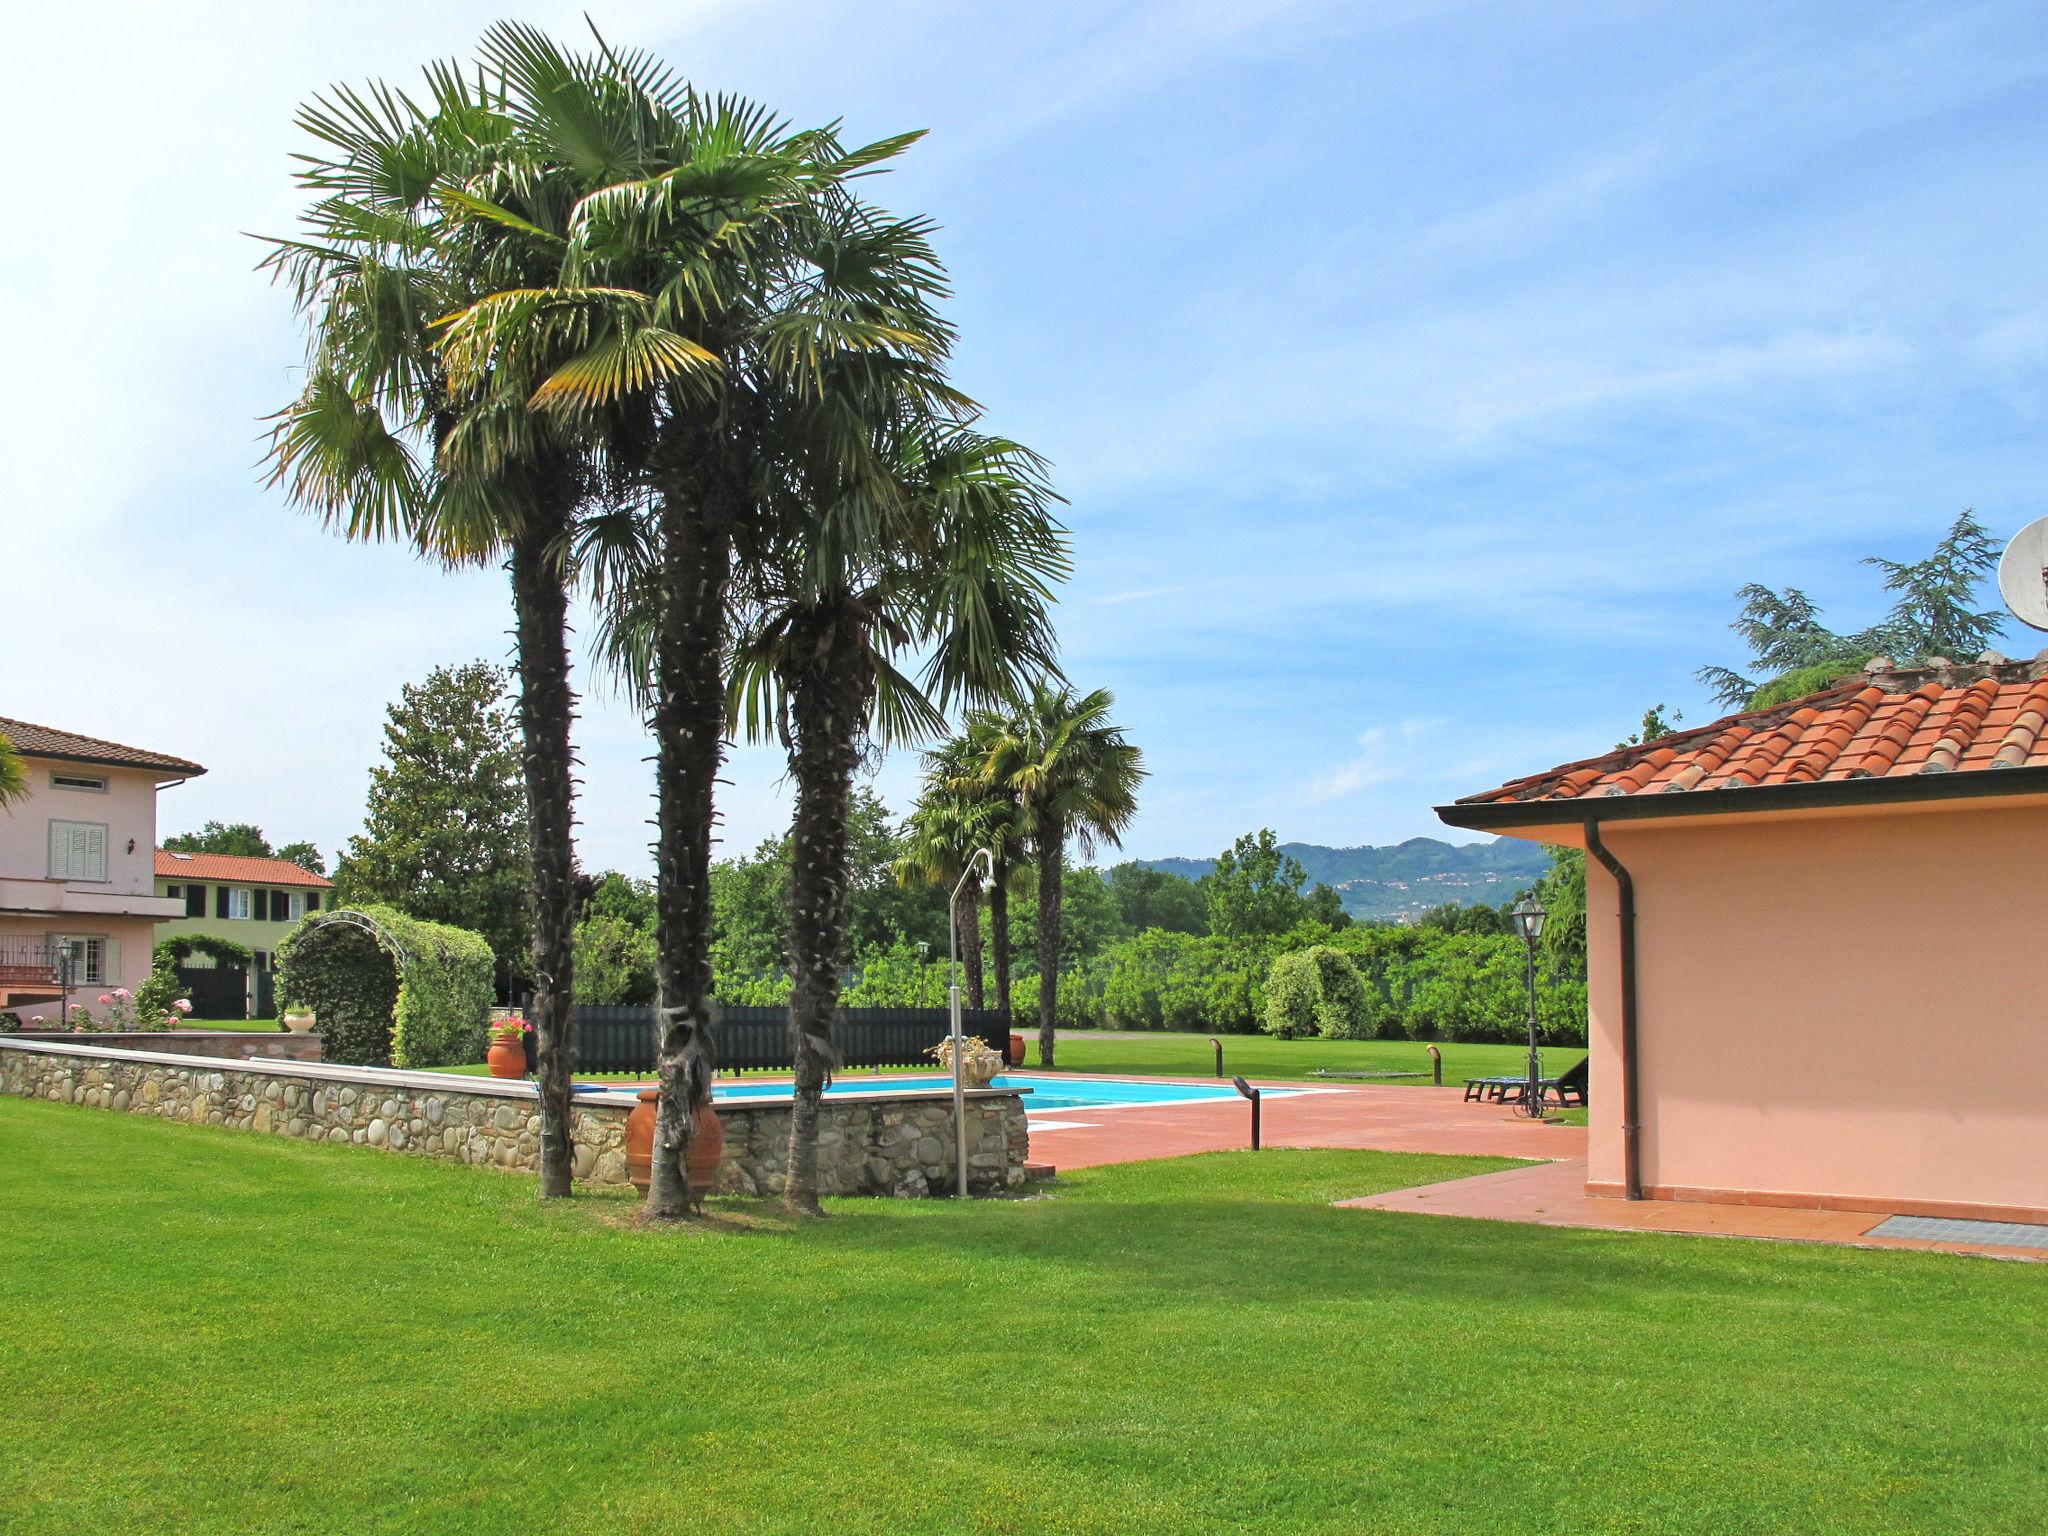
x: 700, y: 288
x: 958, y: 814
x: 13, y: 776
x: 943, y: 834
x: 1077, y: 777
x: 417, y: 210
x: 948, y: 547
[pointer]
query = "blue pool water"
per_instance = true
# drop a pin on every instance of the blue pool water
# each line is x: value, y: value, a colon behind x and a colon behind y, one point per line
x: 1047, y: 1093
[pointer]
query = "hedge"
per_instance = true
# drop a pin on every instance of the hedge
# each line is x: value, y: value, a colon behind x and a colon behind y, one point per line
x: 387, y: 989
x: 180, y: 947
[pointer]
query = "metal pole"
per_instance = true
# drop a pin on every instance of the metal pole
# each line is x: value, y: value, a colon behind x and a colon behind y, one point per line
x: 1219, y: 1054
x: 1532, y: 1095
x: 980, y: 856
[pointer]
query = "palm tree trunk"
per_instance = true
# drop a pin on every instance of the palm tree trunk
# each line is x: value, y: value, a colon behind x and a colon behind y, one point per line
x: 540, y: 603
x: 689, y: 734
x: 999, y: 938
x: 1052, y: 861
x: 967, y: 923
x: 827, y: 705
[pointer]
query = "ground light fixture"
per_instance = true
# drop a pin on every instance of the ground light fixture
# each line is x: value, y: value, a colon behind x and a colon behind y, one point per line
x: 985, y: 861
x: 1251, y: 1093
x: 1529, y: 918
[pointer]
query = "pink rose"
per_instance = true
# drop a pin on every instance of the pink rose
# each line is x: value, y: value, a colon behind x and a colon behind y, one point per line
x: 104, y: 998
x: 183, y: 1005
x: 120, y: 992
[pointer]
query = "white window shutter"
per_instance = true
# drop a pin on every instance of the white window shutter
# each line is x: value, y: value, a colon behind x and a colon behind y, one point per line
x: 112, y: 963
x: 95, y: 856
x: 60, y: 851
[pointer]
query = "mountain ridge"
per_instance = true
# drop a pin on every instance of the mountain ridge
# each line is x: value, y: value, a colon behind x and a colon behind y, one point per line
x: 1403, y: 880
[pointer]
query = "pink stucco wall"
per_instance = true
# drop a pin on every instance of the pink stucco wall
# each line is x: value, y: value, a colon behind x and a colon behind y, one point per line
x: 131, y: 943
x: 123, y: 909
x: 1841, y: 1005
x: 127, y: 808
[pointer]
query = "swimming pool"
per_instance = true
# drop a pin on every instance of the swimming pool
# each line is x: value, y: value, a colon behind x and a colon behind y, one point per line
x: 1047, y: 1093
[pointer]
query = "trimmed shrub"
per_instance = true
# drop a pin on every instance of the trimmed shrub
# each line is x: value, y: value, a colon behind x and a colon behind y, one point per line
x: 388, y: 989
x: 1317, y: 991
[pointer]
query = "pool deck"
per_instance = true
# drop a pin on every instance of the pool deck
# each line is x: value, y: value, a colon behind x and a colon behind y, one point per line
x: 1550, y: 1192
x: 1371, y: 1118
x: 1554, y: 1195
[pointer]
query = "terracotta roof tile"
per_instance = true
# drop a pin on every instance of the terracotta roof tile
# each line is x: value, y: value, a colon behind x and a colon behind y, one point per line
x: 235, y: 869
x: 46, y: 741
x: 1957, y: 720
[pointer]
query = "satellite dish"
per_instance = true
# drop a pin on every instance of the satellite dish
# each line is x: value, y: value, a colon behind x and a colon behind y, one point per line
x: 2023, y: 575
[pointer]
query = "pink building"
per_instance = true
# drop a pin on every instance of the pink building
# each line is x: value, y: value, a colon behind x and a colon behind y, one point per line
x: 78, y: 869
x: 1814, y: 936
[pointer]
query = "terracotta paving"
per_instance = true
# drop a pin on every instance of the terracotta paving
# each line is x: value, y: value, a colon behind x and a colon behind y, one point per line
x: 1376, y: 1118
x: 1554, y: 1195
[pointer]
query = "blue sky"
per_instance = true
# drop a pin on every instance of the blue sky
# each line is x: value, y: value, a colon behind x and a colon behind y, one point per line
x: 1423, y: 378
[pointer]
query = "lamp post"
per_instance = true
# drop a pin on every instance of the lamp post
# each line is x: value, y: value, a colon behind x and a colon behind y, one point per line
x: 984, y: 860
x: 1528, y: 914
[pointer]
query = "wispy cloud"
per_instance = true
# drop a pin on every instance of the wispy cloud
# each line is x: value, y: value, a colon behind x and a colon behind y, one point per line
x: 1384, y: 756
x: 1134, y: 595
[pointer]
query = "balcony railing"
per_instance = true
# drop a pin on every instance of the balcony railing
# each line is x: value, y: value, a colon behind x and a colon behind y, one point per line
x: 25, y: 963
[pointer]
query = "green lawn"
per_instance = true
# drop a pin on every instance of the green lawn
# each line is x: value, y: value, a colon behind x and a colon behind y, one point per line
x: 210, y: 1331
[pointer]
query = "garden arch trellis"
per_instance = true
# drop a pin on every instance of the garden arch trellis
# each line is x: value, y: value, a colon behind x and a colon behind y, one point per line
x: 389, y: 989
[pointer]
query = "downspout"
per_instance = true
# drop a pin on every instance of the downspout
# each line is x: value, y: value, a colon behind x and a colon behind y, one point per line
x: 1631, y: 1155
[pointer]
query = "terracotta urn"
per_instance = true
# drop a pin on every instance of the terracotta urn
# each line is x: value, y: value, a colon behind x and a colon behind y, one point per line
x: 1016, y: 1050
x: 507, y: 1058
x: 707, y: 1147
x: 640, y: 1138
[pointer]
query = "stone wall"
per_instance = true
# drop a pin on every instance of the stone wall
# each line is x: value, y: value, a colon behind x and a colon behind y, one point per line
x: 875, y: 1144
x: 229, y: 1045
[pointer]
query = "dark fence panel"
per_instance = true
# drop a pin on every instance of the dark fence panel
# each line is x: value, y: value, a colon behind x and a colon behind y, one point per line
x: 621, y: 1038
x: 217, y: 991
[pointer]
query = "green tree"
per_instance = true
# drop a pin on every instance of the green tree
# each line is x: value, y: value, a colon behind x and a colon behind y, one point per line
x: 1457, y: 917
x: 717, y: 272
x: 944, y: 833
x: 242, y: 839
x: 1255, y: 889
x: 415, y: 209
x: 1325, y: 904
x: 1317, y: 991
x: 1157, y: 898
x: 1077, y: 777
x: 614, y: 960
x: 952, y: 554
x: 958, y: 767
x: 1932, y: 615
x: 306, y: 856
x: 1090, y: 919
x: 444, y: 833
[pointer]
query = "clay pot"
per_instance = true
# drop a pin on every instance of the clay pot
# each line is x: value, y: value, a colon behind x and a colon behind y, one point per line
x: 640, y: 1138
x: 507, y: 1058
x: 707, y: 1146
x: 1016, y: 1050
x: 298, y: 1021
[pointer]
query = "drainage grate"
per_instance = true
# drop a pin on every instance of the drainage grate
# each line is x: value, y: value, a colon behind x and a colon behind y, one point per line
x: 1934, y: 1229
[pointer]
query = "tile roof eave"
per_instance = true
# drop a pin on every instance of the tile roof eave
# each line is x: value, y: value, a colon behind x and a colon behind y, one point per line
x: 1494, y: 815
x: 166, y: 766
